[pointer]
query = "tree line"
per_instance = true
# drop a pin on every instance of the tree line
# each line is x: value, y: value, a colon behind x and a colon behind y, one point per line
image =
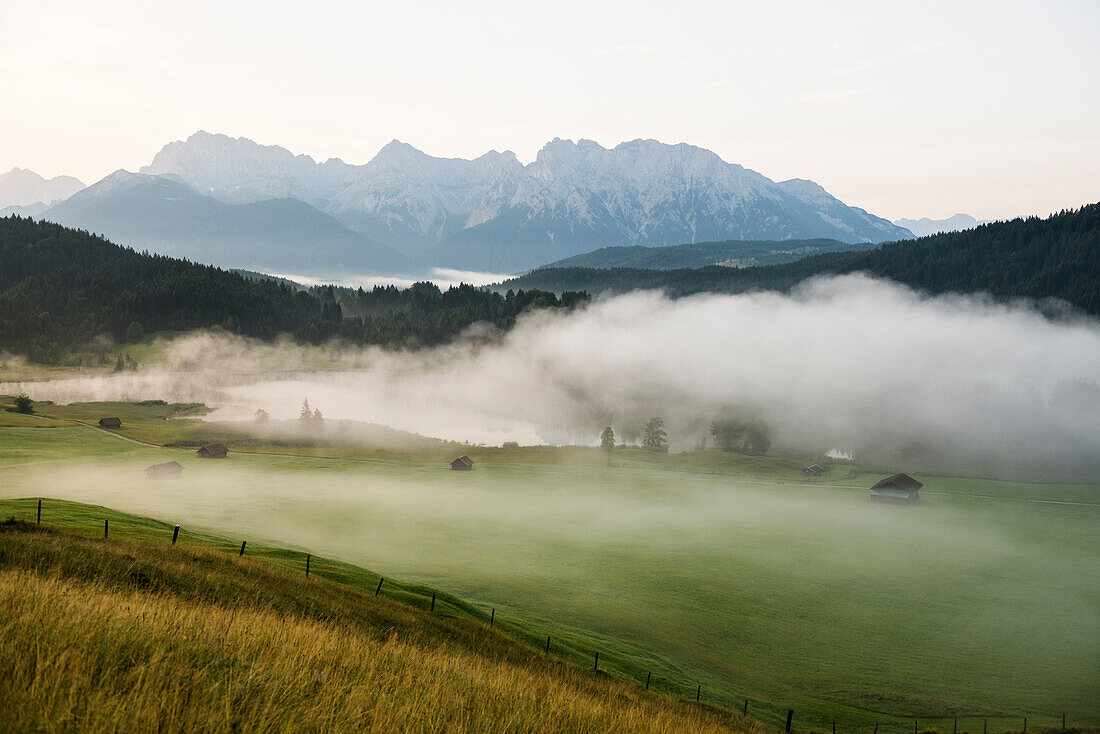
x: 1033, y: 257
x: 62, y: 290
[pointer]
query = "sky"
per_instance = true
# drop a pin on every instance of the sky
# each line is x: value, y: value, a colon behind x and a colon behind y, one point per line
x: 903, y: 109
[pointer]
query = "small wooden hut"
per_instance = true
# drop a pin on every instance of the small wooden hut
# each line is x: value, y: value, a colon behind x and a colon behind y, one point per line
x: 167, y: 470
x: 900, y: 488
x: 216, y: 450
x: 110, y: 423
x: 813, y: 470
x: 462, y: 463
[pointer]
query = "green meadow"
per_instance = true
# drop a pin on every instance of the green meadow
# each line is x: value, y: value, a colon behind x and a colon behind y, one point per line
x: 701, y: 569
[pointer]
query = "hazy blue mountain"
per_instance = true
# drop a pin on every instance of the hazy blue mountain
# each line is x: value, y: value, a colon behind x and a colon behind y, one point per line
x: 168, y: 217
x: 28, y: 191
x: 732, y: 253
x: 30, y: 210
x: 494, y: 213
x: 924, y: 226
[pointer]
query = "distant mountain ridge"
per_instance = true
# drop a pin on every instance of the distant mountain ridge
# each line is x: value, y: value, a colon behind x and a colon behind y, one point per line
x: 494, y: 213
x: 167, y: 217
x: 23, y: 191
x: 924, y: 226
x: 732, y: 253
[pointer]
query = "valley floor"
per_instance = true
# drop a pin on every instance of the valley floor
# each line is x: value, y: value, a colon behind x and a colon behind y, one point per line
x: 735, y: 575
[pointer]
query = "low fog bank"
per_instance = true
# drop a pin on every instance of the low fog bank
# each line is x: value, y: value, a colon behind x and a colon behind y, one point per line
x: 866, y: 366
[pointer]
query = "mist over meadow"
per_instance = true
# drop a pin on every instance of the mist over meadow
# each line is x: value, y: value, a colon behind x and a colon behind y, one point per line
x: 850, y: 363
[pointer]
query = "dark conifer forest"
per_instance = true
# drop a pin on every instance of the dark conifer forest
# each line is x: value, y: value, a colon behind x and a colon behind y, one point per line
x: 1055, y: 257
x: 62, y: 289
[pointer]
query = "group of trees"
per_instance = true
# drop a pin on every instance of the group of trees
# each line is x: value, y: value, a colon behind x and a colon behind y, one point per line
x: 733, y: 431
x: 62, y: 289
x: 1055, y: 257
x: 310, y: 420
x: 742, y: 434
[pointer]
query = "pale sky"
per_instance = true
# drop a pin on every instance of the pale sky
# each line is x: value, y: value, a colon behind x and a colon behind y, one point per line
x: 905, y: 109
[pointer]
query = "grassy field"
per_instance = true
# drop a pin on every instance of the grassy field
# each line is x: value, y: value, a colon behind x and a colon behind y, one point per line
x: 128, y: 634
x: 704, y: 569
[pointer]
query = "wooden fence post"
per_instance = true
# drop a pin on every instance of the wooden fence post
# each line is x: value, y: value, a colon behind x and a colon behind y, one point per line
x: 243, y: 544
x: 790, y: 715
x: 876, y: 727
x: 175, y: 533
x: 433, y: 602
x: 914, y: 726
x: 647, y: 677
x: 1025, y: 725
x: 307, y: 565
x: 548, y: 644
x: 747, y: 709
x: 39, y: 522
x: 492, y: 617
x: 985, y: 722
x: 380, y: 580
x: 105, y: 529
x: 698, y: 692
x: 596, y: 665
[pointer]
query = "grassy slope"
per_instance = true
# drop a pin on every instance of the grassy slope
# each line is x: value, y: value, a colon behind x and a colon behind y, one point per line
x: 126, y: 634
x: 727, y: 605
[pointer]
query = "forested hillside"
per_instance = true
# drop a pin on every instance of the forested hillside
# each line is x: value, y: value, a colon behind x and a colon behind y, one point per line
x: 1055, y: 257
x: 735, y: 253
x: 62, y: 289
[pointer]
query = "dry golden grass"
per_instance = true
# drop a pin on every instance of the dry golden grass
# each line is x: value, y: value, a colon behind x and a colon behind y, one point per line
x: 174, y: 639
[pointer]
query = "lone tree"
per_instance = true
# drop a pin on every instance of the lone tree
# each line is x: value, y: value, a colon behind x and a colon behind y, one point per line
x: 262, y: 416
x: 134, y: 332
x: 23, y: 403
x: 305, y: 416
x: 607, y: 442
x: 607, y: 439
x: 654, y: 438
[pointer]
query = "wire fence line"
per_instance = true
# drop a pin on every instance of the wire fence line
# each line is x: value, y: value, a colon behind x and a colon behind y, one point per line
x: 688, y: 688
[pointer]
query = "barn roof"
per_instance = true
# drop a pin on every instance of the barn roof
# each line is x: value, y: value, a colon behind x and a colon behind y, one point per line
x: 902, y: 482
x: 464, y: 459
x: 110, y: 422
x: 217, y: 448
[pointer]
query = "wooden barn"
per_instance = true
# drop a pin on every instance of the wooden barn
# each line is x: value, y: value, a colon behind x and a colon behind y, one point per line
x: 167, y: 470
x: 462, y: 463
x: 900, y: 488
x: 110, y: 423
x: 813, y: 470
x: 215, y: 450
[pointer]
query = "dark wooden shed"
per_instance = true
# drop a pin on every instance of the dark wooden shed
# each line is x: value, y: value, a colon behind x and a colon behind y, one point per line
x: 215, y: 450
x: 900, y: 488
x: 167, y: 470
x: 110, y: 423
x: 462, y: 463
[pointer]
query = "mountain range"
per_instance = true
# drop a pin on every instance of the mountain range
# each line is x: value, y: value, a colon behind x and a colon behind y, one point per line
x: 924, y: 226
x: 409, y: 210
x: 26, y: 193
x: 274, y: 235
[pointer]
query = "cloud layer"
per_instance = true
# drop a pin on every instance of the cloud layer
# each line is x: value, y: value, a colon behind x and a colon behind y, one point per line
x: 848, y: 363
